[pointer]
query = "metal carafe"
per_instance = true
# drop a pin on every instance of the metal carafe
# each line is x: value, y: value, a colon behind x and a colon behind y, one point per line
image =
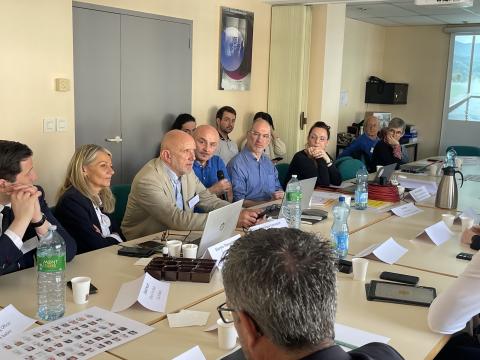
x: 447, y: 193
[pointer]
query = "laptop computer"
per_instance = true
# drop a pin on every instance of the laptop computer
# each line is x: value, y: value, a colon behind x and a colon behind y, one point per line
x: 219, y: 226
x: 415, y: 169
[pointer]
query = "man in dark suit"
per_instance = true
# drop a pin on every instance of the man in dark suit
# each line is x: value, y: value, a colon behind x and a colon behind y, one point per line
x: 24, y: 212
x: 285, y: 307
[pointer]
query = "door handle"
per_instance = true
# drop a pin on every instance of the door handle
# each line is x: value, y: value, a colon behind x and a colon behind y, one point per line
x: 303, y: 120
x: 116, y: 139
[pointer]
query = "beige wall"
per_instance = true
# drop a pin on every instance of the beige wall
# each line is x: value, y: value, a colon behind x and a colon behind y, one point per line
x: 417, y: 55
x: 328, y: 24
x: 363, y: 56
x: 36, y: 46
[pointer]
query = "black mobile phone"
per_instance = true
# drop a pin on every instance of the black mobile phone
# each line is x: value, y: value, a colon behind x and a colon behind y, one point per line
x: 464, y: 256
x: 93, y: 289
x: 135, y: 251
x: 151, y: 244
x: 401, y: 278
x: 278, y: 159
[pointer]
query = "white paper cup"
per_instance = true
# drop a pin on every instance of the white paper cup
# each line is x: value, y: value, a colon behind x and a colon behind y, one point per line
x: 432, y: 170
x: 81, y: 289
x: 448, y: 219
x: 189, y: 251
x: 467, y: 222
x: 174, y: 247
x: 227, y: 335
x: 360, y: 267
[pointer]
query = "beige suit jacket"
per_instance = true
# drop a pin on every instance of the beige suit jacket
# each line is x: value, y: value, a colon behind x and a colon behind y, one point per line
x: 151, y: 204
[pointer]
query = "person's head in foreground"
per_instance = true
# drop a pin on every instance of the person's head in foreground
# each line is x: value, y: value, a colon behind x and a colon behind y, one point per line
x: 280, y: 284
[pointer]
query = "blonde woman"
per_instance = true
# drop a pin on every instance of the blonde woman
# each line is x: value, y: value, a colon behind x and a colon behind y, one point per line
x: 85, y: 200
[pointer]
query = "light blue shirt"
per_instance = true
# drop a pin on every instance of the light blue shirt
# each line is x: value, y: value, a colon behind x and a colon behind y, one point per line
x: 252, y: 179
x: 177, y: 187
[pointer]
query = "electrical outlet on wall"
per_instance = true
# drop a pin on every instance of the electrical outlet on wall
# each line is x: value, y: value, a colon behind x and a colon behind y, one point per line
x: 49, y: 125
x: 61, y: 125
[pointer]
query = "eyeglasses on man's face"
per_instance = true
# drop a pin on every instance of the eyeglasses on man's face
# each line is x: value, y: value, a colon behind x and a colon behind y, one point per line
x: 395, y: 131
x: 226, y: 313
x: 257, y: 135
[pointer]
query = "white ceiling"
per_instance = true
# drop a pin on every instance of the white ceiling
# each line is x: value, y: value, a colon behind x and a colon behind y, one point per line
x: 400, y: 12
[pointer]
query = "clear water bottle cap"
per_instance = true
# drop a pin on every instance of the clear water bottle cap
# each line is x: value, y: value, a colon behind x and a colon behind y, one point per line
x: 294, y: 176
x: 52, y: 227
x: 341, y: 199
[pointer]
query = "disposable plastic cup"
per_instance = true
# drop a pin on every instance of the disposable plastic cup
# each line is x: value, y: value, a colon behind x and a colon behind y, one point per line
x: 467, y: 222
x: 227, y: 335
x: 189, y: 251
x: 81, y: 289
x: 174, y: 247
x: 360, y: 267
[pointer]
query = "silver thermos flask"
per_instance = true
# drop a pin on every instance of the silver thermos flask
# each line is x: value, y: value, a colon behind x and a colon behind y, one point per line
x: 447, y: 193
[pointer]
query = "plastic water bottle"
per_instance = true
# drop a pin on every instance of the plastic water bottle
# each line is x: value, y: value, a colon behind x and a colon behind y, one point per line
x: 339, y: 232
x: 51, y: 275
x: 450, y: 158
x: 361, y: 192
x: 291, y: 207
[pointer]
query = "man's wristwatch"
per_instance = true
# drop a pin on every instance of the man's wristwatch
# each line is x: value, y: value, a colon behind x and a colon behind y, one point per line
x: 40, y: 222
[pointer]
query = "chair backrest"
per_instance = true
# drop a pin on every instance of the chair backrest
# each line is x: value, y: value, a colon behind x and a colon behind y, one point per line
x: 463, y: 150
x: 120, y: 192
x: 348, y: 167
x: 282, y: 173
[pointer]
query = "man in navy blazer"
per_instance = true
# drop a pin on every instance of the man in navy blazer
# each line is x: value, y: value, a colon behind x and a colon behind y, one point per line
x: 24, y: 212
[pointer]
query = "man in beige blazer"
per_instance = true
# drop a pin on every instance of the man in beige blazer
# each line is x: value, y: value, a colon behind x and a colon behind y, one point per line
x: 166, y: 190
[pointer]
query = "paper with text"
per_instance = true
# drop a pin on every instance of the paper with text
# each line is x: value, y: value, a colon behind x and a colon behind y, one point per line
x: 13, y: 322
x: 438, y: 233
x: 389, y: 251
x: 148, y: 291
x: 217, y: 251
x: 272, y: 224
x: 430, y: 186
x: 406, y: 210
x: 419, y: 194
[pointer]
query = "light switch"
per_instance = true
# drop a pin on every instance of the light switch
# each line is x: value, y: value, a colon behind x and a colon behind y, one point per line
x: 62, y: 84
x: 48, y: 125
x: 61, y: 125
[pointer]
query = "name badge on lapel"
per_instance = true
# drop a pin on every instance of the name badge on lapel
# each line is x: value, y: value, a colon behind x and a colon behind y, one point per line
x: 193, y: 201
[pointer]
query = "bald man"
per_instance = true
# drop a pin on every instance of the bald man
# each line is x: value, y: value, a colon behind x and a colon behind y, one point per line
x: 209, y: 167
x: 254, y: 177
x: 165, y: 192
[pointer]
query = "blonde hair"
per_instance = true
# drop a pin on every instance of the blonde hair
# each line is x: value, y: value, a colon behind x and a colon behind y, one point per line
x: 85, y: 155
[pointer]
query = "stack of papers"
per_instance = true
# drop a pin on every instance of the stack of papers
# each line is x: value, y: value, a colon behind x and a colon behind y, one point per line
x: 188, y: 318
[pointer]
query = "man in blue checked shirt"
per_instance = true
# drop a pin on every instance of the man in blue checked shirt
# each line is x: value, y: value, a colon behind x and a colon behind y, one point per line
x: 254, y: 177
x: 209, y: 168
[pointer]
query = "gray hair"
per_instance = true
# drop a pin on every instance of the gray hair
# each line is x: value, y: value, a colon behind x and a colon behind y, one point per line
x: 396, y: 123
x: 285, y: 280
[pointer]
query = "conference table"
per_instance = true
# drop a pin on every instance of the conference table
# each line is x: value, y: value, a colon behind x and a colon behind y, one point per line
x: 405, y: 325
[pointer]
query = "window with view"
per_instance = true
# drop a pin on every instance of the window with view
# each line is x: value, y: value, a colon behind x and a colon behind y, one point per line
x: 464, y: 102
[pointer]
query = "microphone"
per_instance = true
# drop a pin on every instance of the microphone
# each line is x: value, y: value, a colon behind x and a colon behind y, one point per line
x: 221, y: 176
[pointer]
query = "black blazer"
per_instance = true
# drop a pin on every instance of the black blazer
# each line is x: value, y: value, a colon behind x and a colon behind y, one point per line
x: 306, y: 168
x: 371, y: 351
x: 12, y: 259
x: 77, y: 214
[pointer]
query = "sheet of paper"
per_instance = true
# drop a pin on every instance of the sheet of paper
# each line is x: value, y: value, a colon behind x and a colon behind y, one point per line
x: 272, y: 224
x: 431, y: 186
x: 143, y: 261
x: 343, y: 185
x: 350, y: 338
x: 154, y: 293
x: 128, y: 294
x: 389, y: 251
x: 323, y: 198
x: 79, y: 336
x: 217, y: 251
x: 188, y: 318
x: 406, y: 210
x: 438, y: 233
x: 367, y: 251
x: 420, y: 194
x: 193, y: 354
x: 13, y: 322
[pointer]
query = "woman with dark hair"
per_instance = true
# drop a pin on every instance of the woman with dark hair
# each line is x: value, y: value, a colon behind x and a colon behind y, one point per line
x: 185, y: 122
x: 388, y: 150
x: 277, y: 148
x: 314, y: 160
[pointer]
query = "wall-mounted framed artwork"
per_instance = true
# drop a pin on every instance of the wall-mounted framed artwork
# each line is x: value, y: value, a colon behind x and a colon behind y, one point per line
x: 236, y: 40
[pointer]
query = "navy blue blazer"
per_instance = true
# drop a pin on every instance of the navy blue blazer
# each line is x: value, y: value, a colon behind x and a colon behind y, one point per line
x: 12, y: 259
x: 77, y: 214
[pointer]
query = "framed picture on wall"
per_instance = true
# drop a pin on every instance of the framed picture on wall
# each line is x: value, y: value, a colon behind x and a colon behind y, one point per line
x: 235, y: 61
